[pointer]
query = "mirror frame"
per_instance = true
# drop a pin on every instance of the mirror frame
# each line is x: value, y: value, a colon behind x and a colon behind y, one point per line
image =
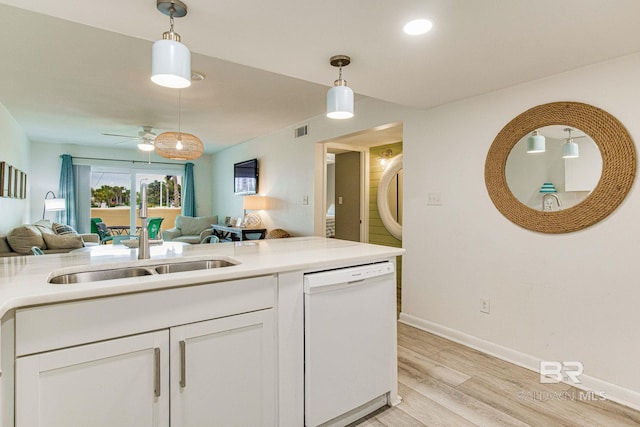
x: 392, y: 226
x: 618, y: 166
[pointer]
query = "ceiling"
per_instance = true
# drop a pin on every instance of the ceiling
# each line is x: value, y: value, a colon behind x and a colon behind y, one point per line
x: 80, y: 68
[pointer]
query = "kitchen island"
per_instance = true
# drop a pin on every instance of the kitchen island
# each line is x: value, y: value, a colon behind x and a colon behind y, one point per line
x: 227, y: 341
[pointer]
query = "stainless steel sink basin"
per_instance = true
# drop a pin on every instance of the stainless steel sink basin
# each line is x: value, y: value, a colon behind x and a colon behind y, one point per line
x: 179, y: 267
x: 93, y: 276
x: 125, y: 272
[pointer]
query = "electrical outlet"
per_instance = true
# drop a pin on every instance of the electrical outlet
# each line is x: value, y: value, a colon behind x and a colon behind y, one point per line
x: 434, y: 199
x: 485, y: 306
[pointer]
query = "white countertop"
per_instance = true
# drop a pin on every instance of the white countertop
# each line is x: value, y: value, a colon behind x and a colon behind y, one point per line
x: 23, y: 280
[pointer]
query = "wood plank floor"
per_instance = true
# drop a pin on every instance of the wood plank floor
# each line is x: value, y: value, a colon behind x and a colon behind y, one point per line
x: 443, y: 383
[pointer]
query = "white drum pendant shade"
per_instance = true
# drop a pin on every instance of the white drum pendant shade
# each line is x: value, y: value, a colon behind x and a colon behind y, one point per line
x: 171, y: 64
x: 340, y: 102
x: 570, y: 150
x: 536, y: 143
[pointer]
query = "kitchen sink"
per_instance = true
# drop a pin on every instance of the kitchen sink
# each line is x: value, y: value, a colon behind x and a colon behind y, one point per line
x: 93, y: 276
x: 125, y: 272
x: 179, y: 267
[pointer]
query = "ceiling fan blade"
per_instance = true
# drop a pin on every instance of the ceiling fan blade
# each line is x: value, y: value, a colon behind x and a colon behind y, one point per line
x: 126, y: 140
x: 122, y: 136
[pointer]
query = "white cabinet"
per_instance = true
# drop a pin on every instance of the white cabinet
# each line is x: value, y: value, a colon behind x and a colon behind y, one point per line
x: 222, y: 372
x: 100, y: 385
x: 156, y: 363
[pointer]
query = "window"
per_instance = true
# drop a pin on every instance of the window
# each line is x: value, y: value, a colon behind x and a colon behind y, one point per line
x: 112, y: 196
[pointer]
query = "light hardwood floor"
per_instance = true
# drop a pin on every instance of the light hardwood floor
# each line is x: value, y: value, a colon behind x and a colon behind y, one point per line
x: 443, y: 383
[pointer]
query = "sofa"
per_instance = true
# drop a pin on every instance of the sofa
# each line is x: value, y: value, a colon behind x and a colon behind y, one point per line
x: 51, y: 238
x: 190, y: 229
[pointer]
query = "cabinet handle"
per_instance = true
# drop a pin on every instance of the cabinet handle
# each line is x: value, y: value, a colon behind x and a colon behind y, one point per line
x: 156, y: 379
x: 183, y: 364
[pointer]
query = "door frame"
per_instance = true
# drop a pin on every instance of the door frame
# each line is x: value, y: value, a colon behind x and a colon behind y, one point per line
x: 320, y: 202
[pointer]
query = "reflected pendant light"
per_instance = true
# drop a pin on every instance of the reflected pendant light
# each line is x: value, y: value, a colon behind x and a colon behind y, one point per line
x: 178, y: 145
x: 170, y: 59
x: 340, y: 96
x: 536, y: 143
x: 569, y: 148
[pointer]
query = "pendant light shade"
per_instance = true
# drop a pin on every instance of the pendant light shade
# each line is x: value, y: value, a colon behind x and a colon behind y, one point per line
x: 570, y: 150
x: 171, y: 64
x: 178, y: 146
x: 170, y: 59
x: 536, y: 143
x: 340, y: 96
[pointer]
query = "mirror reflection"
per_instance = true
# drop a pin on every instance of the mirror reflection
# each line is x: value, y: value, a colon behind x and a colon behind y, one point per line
x: 553, y: 168
x: 394, y: 197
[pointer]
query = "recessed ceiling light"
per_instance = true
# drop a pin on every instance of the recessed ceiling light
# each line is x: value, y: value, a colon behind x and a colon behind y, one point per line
x: 418, y: 26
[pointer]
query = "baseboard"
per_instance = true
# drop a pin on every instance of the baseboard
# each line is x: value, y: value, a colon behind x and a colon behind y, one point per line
x: 613, y: 392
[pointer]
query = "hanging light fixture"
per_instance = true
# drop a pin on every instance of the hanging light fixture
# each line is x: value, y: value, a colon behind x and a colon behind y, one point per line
x: 178, y: 145
x: 536, y: 143
x: 570, y: 149
x: 146, y: 145
x: 171, y: 60
x: 340, y: 96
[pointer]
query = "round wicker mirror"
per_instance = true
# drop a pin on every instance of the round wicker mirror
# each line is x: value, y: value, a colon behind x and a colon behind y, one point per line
x: 618, y: 166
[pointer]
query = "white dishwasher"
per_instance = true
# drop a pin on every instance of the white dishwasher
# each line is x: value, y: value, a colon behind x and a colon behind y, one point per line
x: 350, y: 330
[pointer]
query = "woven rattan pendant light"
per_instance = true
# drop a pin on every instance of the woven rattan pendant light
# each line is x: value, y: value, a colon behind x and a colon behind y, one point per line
x: 178, y: 145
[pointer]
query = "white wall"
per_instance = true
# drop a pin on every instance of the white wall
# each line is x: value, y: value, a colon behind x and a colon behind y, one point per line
x: 288, y: 167
x: 15, y: 149
x: 46, y: 161
x: 553, y: 297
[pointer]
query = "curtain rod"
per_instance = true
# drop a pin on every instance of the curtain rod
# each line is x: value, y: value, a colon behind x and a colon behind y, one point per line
x: 128, y: 161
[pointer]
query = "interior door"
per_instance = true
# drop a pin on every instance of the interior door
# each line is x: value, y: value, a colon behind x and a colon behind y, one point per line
x: 347, y: 196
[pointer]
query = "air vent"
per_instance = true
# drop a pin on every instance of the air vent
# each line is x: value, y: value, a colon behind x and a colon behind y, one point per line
x: 301, y: 131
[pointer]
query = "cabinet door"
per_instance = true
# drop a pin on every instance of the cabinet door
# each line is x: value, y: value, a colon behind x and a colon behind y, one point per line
x: 223, y: 372
x: 120, y: 382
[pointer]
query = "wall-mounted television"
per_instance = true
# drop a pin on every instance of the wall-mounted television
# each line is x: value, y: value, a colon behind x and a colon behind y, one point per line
x: 245, y: 177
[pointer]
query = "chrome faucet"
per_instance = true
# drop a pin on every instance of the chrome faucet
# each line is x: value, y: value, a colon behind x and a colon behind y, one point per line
x: 555, y: 196
x: 143, y: 241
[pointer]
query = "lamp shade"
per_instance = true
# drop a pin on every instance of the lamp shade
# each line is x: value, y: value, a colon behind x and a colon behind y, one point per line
x: 178, y: 146
x: 255, y: 203
x: 548, y: 187
x: 536, y: 143
x: 570, y: 150
x: 340, y: 102
x: 170, y: 64
x: 54, y: 205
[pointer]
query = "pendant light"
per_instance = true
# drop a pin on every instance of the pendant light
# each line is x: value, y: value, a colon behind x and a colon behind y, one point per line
x: 536, y: 143
x: 178, y: 145
x: 340, y: 96
x: 170, y: 59
x: 570, y: 149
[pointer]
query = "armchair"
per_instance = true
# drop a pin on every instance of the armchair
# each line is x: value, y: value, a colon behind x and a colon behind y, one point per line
x: 190, y: 229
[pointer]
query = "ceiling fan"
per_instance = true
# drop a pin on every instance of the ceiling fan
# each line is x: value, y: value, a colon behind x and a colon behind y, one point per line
x: 145, y: 136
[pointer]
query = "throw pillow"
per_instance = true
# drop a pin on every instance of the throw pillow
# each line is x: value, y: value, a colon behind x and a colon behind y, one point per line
x: 62, y: 229
x: 23, y: 238
x: 70, y: 241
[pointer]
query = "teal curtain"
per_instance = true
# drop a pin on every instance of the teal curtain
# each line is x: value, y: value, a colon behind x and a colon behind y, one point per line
x: 189, y: 193
x: 66, y: 191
